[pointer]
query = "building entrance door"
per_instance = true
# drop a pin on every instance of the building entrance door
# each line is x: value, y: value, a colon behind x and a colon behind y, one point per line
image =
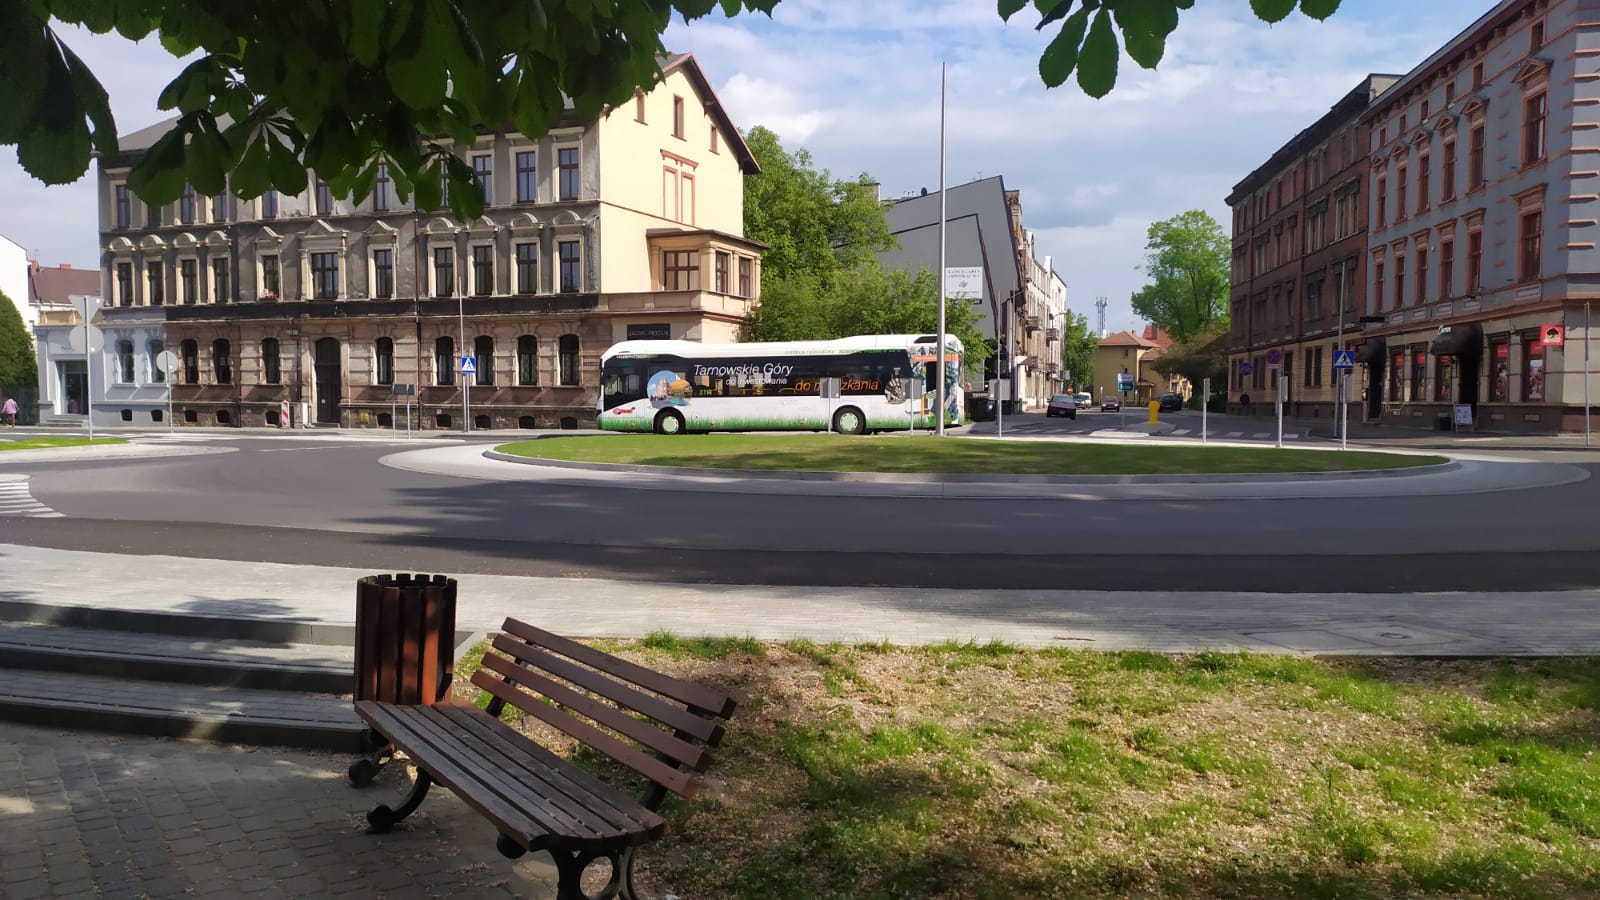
x: 73, y: 398
x: 327, y: 365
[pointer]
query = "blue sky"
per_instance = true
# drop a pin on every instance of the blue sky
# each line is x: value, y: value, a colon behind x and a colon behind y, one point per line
x: 857, y: 84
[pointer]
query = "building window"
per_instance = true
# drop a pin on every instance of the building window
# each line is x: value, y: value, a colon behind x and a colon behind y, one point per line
x: 325, y: 275
x: 1422, y: 273
x: 188, y: 281
x: 1533, y: 369
x: 1313, y: 364
x: 568, y: 348
x: 271, y: 370
x: 444, y: 361
x: 1475, y: 173
x: 152, y: 216
x: 1444, y: 379
x: 1536, y: 36
x: 269, y: 204
x: 124, y: 284
x: 483, y: 176
x: 124, y: 207
x: 1531, y: 233
x: 483, y: 270
x: 158, y: 375
x: 527, y: 176
x: 1477, y: 76
x: 722, y: 272
x: 745, y: 266
x: 1424, y: 173
x: 380, y: 189
x: 219, y: 280
x: 1400, y: 192
x: 1447, y: 171
x: 677, y: 117
x: 1419, y: 376
x: 1474, y: 261
x: 638, y: 106
x: 1378, y: 286
x: 383, y: 273
x: 1447, y: 266
x: 567, y: 164
x: 680, y: 270
x: 186, y: 205
x: 715, y: 139
x: 527, y: 360
x: 527, y: 268
x: 1399, y: 280
x: 571, y: 269
x: 324, y: 198
x: 125, y: 362
x: 190, y: 351
x: 1383, y: 202
x: 444, y: 271
x: 269, y: 277
x: 1500, y: 371
x: 1397, y: 377
x: 222, y: 207
x: 384, y: 351
x: 483, y: 352
x: 1535, y: 110
x: 221, y: 364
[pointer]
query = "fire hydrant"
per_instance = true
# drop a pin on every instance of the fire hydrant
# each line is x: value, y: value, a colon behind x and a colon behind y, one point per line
x: 1153, y: 407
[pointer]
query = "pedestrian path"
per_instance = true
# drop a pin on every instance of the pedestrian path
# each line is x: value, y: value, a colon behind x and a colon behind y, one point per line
x: 17, y: 501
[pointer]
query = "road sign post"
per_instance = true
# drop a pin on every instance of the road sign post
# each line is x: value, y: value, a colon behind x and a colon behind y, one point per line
x: 168, y: 361
x: 1343, y: 362
x: 469, y: 370
x: 1283, y: 383
x: 1205, y: 403
x: 1124, y: 385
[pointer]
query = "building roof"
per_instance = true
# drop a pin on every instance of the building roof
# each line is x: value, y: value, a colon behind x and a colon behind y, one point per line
x: 1350, y: 107
x: 1158, y: 337
x: 50, y: 285
x: 1503, y: 12
x: 1127, y: 339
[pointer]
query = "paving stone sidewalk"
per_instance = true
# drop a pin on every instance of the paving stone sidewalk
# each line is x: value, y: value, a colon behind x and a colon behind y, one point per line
x: 86, y: 815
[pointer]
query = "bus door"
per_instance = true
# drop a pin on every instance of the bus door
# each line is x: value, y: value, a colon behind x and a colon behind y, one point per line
x: 831, y: 389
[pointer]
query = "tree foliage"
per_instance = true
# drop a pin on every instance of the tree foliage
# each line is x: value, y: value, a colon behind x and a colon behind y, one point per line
x: 1078, y: 344
x: 18, y: 366
x: 1201, y: 357
x: 1187, y: 265
x: 811, y: 224
x: 344, y: 86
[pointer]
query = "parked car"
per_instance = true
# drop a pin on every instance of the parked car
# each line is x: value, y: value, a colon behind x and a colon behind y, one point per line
x: 1062, y: 405
x: 1169, y: 402
x: 1085, y: 399
x: 1109, y: 403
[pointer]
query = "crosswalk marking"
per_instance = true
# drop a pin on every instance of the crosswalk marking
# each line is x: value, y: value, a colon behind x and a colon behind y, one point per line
x: 17, y: 501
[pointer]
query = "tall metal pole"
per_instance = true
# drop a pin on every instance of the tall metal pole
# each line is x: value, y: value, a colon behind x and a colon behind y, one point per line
x: 940, y: 376
x: 1000, y: 381
x: 466, y: 378
x: 1343, y: 401
x: 1586, y: 373
x: 88, y: 367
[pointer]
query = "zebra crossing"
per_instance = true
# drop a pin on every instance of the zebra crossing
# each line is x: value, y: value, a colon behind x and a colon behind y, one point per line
x: 16, y: 501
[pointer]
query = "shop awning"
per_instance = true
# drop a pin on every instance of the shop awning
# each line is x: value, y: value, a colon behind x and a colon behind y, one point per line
x: 1458, y: 340
x: 1371, y: 351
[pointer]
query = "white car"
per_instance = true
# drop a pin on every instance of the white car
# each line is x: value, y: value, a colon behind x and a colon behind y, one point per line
x: 1085, y: 399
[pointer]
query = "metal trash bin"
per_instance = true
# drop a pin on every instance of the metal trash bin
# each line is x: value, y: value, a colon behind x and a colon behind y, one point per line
x: 1443, y: 422
x: 980, y: 409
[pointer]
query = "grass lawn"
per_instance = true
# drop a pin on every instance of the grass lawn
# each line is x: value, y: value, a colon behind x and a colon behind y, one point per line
x: 842, y: 453
x: 47, y: 443
x: 982, y: 771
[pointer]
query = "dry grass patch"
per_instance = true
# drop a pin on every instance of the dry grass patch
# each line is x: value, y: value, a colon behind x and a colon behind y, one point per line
x: 960, y: 771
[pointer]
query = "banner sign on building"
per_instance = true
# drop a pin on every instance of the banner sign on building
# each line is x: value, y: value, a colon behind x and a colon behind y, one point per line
x: 963, y: 282
x: 658, y: 331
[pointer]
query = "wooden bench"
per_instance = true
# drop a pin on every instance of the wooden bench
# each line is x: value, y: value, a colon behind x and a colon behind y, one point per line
x: 656, y: 725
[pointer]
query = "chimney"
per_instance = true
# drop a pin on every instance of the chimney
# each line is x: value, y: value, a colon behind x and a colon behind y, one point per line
x: 66, y: 265
x: 872, y: 188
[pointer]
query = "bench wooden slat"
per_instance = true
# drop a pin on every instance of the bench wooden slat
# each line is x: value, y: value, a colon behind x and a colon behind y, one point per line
x: 622, y: 693
x: 697, y: 696
x: 437, y: 761
x: 573, y: 788
x: 696, y: 758
x: 675, y: 780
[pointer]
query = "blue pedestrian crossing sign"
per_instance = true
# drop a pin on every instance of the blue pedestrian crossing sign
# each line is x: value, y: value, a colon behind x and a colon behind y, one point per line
x: 469, y: 365
x: 1344, y: 359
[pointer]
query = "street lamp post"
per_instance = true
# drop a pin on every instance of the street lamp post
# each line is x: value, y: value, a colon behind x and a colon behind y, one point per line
x: 939, y: 413
x: 1343, y: 401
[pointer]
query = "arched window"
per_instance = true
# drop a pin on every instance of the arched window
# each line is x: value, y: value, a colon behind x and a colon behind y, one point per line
x: 385, y: 360
x: 483, y: 349
x: 569, y: 359
x: 191, y: 362
x: 527, y: 359
x: 444, y: 358
x: 271, y: 371
x: 221, y: 365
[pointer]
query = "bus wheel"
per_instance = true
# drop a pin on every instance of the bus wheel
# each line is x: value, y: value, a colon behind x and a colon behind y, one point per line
x: 668, y: 421
x: 849, y: 420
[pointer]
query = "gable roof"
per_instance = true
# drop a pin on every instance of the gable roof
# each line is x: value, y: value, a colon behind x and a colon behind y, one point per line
x: 673, y: 62
x: 1127, y: 339
x: 55, y: 284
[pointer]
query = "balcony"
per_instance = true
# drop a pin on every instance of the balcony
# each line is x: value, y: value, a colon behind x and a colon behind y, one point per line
x: 1031, y: 322
x: 1052, y: 333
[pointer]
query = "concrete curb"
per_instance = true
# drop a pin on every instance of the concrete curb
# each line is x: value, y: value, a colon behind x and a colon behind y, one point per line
x: 902, y: 478
x: 94, y: 453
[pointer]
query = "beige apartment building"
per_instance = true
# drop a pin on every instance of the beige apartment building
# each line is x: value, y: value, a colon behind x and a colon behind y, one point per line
x: 625, y: 226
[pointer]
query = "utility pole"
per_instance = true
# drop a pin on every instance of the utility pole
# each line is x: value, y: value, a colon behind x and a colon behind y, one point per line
x: 1343, y: 400
x: 942, y: 275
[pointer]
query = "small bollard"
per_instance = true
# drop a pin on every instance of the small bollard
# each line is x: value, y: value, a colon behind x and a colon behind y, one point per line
x: 1153, y: 407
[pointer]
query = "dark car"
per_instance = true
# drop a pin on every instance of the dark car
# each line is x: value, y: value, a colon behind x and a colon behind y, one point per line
x: 1169, y: 402
x: 1062, y: 405
x: 1110, y: 404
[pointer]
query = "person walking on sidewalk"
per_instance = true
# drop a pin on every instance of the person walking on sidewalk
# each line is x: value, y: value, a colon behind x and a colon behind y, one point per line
x: 9, y: 412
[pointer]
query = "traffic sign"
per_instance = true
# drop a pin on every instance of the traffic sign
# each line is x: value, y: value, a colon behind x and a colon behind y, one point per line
x: 1344, y: 359
x: 1124, y: 381
x: 469, y: 365
x: 1552, y: 335
x: 1245, y: 368
x: 1274, y: 358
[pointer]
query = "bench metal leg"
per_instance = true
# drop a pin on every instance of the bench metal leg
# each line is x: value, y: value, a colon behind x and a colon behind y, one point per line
x: 364, y: 769
x: 571, y: 865
x: 381, y: 819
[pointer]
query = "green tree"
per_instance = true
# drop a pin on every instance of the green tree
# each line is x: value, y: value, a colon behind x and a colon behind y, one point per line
x: 812, y: 224
x: 1187, y: 265
x: 1078, y: 344
x: 343, y: 86
x: 18, y: 366
x: 1203, y: 356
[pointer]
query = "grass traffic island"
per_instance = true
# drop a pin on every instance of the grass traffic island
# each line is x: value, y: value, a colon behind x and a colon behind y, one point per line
x: 985, y: 771
x: 899, y: 454
x: 51, y: 443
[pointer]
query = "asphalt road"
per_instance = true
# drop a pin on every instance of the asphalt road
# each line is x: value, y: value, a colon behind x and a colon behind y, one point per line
x: 330, y: 502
